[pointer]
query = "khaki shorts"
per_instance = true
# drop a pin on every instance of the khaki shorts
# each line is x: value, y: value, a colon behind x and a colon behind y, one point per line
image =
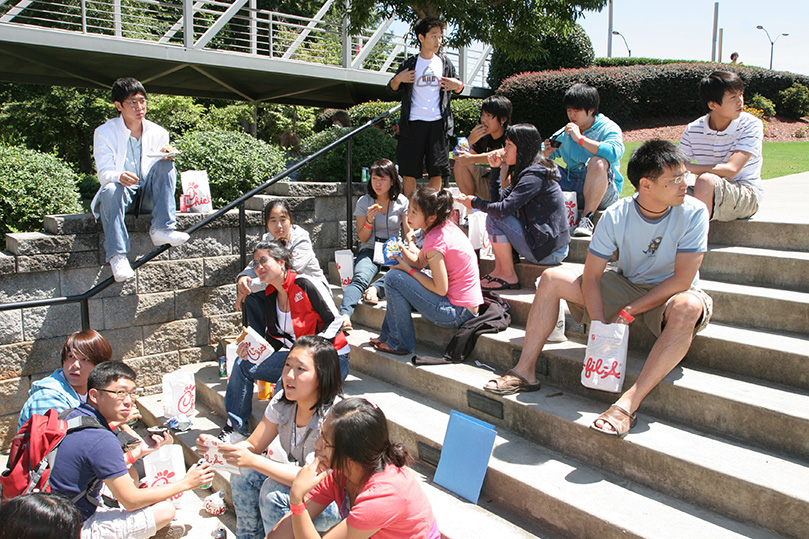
x: 617, y: 292
x: 480, y: 175
x: 732, y: 201
x: 115, y: 523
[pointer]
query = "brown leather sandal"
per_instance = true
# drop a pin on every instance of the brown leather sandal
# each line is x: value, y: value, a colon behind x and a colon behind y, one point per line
x: 618, y: 418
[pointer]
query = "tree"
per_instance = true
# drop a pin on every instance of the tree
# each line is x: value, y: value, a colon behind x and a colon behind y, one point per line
x: 511, y: 26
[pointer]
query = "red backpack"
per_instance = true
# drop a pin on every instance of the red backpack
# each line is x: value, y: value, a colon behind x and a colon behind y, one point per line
x: 33, y: 452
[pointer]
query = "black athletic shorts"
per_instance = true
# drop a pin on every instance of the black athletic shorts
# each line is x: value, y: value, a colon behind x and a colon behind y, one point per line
x: 423, y: 141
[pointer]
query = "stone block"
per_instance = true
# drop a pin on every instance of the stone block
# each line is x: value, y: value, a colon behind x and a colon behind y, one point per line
x: 36, y: 243
x: 221, y: 270
x: 10, y: 326
x: 150, y: 369
x: 225, y: 325
x: 8, y: 428
x: 27, y: 358
x: 126, y: 343
x: 8, y: 263
x: 15, y: 287
x: 205, y: 301
x: 311, y: 189
x: 56, y: 261
x: 328, y: 235
x: 52, y: 321
x: 161, y: 338
x: 138, y: 310
x: 254, y: 235
x: 80, y: 280
x: 83, y: 223
x: 13, y: 394
x: 96, y: 308
x: 141, y: 244
x: 170, y: 275
x: 204, y: 243
x: 197, y: 355
x: 332, y: 209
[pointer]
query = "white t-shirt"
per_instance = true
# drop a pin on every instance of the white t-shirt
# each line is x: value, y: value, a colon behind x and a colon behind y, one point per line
x: 426, y: 100
x: 709, y: 147
x: 647, y: 248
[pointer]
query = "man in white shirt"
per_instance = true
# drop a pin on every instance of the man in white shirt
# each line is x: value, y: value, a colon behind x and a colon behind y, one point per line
x: 426, y: 82
x: 726, y: 144
x: 133, y: 175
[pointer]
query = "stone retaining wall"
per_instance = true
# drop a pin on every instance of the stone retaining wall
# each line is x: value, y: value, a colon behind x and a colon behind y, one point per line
x: 174, y: 312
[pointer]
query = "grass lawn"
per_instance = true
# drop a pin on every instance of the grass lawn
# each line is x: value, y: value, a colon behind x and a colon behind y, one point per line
x: 780, y: 159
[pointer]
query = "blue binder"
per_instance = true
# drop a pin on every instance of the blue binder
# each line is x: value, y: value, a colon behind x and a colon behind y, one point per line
x: 465, y: 456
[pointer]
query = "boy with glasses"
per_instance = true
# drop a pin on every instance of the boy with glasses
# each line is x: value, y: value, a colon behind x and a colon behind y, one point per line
x: 661, y: 237
x: 133, y: 176
x: 426, y: 83
x: 726, y: 144
x: 90, y: 456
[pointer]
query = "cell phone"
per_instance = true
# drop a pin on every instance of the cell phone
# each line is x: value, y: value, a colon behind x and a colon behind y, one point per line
x: 554, y: 142
x: 158, y: 430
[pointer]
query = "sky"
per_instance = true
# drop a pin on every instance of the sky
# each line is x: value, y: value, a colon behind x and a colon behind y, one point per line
x: 683, y: 29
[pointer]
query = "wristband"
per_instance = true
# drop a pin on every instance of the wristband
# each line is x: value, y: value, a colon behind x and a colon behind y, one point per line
x: 368, y: 225
x: 130, y: 458
x: 581, y: 141
x: 626, y: 316
x: 412, y: 271
x: 298, y: 509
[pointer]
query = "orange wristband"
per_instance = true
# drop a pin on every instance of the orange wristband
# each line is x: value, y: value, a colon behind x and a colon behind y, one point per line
x: 130, y: 458
x: 368, y: 225
x: 626, y: 316
x: 581, y: 141
x: 412, y: 271
x: 297, y: 509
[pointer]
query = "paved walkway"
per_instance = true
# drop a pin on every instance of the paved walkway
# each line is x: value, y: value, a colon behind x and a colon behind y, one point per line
x: 786, y: 199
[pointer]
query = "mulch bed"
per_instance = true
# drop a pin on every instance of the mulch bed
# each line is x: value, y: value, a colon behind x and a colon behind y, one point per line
x: 776, y: 130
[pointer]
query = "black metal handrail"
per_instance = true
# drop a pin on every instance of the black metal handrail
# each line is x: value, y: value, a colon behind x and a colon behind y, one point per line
x: 84, y: 298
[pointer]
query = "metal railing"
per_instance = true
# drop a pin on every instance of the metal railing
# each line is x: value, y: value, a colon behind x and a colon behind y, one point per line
x: 239, y: 26
x: 84, y: 299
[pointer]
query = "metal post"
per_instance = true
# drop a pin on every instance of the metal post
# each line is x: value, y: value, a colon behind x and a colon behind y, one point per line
x: 715, y: 27
x: 609, y: 33
x: 83, y: 16
x: 346, y: 39
x: 269, y: 33
x: 85, y: 313
x: 188, y: 24
x: 349, y: 191
x: 116, y: 18
x: 253, y: 28
x: 242, y: 235
x: 721, y: 37
x: 462, y: 65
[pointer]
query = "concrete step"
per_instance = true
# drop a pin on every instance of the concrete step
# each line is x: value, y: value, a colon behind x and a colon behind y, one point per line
x: 85, y: 223
x: 660, y: 453
x: 458, y: 519
x: 787, y: 268
x: 763, y: 413
x: 564, y: 492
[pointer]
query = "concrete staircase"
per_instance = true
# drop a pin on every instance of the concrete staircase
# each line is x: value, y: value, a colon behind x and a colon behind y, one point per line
x: 721, y: 447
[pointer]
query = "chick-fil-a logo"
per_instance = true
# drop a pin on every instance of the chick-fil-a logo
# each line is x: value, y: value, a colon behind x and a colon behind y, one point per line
x: 254, y: 351
x: 571, y: 211
x: 164, y: 477
x: 599, y: 368
x: 196, y: 197
x: 186, y: 402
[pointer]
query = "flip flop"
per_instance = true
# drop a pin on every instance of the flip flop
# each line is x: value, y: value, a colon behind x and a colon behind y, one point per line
x: 374, y: 340
x: 510, y: 383
x: 504, y: 285
x: 369, y: 301
x: 618, y: 418
x: 383, y: 347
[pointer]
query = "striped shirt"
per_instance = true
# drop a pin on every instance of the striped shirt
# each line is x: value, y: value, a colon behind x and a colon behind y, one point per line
x: 709, y: 147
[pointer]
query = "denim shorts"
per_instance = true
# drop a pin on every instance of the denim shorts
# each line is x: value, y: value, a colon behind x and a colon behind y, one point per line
x: 573, y: 181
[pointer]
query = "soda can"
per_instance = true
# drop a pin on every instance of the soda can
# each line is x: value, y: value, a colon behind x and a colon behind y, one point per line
x: 223, y: 367
x: 265, y: 390
x: 209, y: 484
x: 183, y: 204
x: 365, y: 175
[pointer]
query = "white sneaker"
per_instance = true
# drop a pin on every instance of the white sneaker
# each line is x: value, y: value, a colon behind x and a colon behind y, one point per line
x: 172, y: 237
x: 121, y: 270
x: 585, y: 227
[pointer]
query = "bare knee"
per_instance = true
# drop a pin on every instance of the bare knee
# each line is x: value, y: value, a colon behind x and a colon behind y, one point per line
x: 163, y: 514
x: 683, y: 313
x: 598, y: 165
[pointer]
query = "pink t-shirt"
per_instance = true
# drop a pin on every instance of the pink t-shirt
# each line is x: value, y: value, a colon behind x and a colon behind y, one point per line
x: 459, y: 258
x: 391, y: 501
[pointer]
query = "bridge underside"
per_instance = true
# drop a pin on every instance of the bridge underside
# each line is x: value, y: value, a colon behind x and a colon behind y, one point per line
x: 53, y: 57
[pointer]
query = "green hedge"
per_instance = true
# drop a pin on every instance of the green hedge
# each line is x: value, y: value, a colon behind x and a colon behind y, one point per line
x: 631, y: 94
x: 32, y: 185
x: 466, y: 113
x: 366, y: 148
x: 236, y: 163
x: 622, y: 61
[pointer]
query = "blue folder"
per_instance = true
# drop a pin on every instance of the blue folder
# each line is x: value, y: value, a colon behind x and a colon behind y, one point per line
x: 465, y: 456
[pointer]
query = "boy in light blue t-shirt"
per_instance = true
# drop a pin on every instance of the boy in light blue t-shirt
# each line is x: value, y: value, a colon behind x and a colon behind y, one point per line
x: 661, y: 237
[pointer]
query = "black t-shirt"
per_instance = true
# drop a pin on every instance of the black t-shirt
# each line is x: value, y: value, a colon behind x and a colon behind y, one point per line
x: 486, y: 143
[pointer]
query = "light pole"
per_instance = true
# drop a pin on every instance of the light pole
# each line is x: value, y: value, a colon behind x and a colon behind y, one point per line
x: 772, y: 43
x: 617, y: 33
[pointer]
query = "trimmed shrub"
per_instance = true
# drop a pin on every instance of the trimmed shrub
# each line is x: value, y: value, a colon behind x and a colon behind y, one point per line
x: 371, y: 109
x: 176, y: 114
x: 235, y: 162
x: 625, y: 61
x: 466, y: 113
x: 763, y: 104
x: 794, y: 101
x: 631, y: 94
x: 366, y: 148
x: 32, y: 185
x: 570, y: 50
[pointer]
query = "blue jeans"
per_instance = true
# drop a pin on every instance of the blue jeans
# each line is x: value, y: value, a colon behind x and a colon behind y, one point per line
x: 116, y: 200
x: 364, y: 271
x: 261, y: 502
x: 509, y: 230
x: 573, y: 181
x: 404, y: 291
x: 239, y: 393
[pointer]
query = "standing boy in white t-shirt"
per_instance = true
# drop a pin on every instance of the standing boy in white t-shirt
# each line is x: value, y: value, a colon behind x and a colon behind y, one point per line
x: 726, y: 145
x: 426, y: 82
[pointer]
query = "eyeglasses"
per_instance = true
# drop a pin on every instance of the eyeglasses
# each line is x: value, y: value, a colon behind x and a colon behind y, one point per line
x: 121, y: 394
x: 135, y: 103
x: 263, y: 260
x: 677, y: 180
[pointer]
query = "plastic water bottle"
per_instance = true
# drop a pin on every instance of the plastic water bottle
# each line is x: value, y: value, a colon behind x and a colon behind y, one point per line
x: 219, y: 532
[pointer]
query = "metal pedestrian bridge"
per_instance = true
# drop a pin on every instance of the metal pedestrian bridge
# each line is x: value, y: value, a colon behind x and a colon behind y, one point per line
x: 219, y: 49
